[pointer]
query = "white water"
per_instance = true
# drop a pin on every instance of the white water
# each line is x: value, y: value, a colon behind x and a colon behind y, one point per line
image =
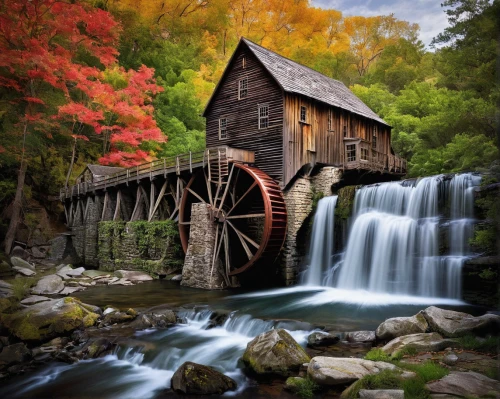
x: 393, y: 244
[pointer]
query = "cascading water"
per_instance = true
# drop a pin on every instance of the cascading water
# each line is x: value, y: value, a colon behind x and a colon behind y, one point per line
x: 394, y: 242
x: 322, y: 241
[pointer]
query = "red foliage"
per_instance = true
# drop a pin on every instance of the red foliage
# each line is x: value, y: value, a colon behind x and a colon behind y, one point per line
x: 39, y: 43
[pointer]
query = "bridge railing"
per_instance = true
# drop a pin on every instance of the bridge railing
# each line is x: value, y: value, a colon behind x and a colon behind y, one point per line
x: 178, y: 163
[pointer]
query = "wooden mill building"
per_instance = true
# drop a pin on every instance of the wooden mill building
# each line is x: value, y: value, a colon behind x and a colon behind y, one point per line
x: 291, y: 116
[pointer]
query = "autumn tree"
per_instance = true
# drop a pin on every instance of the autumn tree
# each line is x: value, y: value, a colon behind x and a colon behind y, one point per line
x: 53, y: 55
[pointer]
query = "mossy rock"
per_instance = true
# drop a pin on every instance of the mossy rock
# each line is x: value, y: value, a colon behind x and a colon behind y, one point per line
x: 196, y: 379
x: 274, y: 352
x: 46, y: 320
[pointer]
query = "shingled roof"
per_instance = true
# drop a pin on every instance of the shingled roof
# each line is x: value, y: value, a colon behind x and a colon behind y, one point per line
x: 299, y: 79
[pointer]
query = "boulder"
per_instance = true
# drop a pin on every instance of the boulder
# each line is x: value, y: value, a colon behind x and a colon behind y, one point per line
x: 5, y: 289
x: 95, y: 273
x: 133, y: 275
x: 340, y: 371
x: 14, y: 354
x: 361, y: 336
x: 31, y: 300
x: 457, y: 324
x: 399, y: 326
x: 63, y: 271
x: 177, y: 277
x: 48, y: 319
x: 116, y: 317
x: 450, y: 359
x: 18, y: 262
x: 465, y: 384
x: 19, y: 252
x: 75, y: 272
x: 426, y: 342
x: 382, y: 394
x: 97, y: 348
x: 35, y: 251
x: 274, y: 352
x: 321, y: 338
x: 196, y: 379
x: 24, y: 271
x: 48, y: 285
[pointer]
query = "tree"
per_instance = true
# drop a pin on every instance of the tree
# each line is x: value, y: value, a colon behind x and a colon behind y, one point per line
x: 52, y: 53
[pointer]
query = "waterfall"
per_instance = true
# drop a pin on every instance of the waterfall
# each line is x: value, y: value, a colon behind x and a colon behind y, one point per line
x: 394, y: 242
x: 322, y: 241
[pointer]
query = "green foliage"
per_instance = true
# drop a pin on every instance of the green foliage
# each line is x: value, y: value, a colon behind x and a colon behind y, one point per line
x: 386, y: 379
x: 304, y: 387
x: 152, y: 235
x: 21, y: 286
x: 345, y: 202
x: 488, y: 345
x: 428, y: 371
x: 406, y: 351
x: 488, y: 274
x: 377, y: 355
x: 414, y: 388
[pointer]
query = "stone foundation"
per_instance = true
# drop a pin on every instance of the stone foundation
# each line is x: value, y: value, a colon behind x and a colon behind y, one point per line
x: 197, y: 271
x: 299, y: 199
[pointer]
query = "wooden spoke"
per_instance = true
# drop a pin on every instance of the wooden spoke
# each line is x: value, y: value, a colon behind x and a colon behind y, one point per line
x: 244, y: 235
x: 209, y: 186
x: 216, y: 251
x: 196, y: 195
x: 226, y: 250
x: 243, y: 196
x: 250, y: 215
x: 227, y: 189
x: 244, y: 245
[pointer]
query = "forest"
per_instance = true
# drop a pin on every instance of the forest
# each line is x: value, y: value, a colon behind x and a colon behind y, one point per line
x: 121, y: 82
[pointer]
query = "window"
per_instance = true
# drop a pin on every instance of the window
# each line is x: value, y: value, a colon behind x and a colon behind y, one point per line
x: 351, y: 152
x: 242, y: 88
x: 244, y: 62
x: 329, y: 120
x: 222, y: 128
x: 263, y: 116
x: 303, y: 114
x: 364, y: 154
x: 374, y: 138
x: 345, y: 131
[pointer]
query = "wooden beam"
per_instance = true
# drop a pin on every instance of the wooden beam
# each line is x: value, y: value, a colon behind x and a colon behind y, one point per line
x: 158, y: 200
x: 243, y: 196
x: 105, y: 206
x: 118, y: 205
x: 136, y: 206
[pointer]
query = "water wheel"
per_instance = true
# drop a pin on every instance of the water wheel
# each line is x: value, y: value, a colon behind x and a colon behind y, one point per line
x: 249, y: 211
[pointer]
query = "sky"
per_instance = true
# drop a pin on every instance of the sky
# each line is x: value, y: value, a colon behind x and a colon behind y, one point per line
x: 427, y: 13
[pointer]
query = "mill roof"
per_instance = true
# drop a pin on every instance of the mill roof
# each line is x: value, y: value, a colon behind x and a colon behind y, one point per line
x: 299, y: 79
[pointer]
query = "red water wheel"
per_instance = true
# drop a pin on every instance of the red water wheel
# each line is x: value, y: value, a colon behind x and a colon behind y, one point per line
x: 249, y: 211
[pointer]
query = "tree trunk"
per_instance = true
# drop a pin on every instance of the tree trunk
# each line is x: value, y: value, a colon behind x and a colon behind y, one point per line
x: 16, y: 208
x: 71, y: 165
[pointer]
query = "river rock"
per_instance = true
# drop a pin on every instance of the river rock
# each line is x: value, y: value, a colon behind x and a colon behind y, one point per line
x: 457, y: 324
x: 196, y: 379
x: 97, y: 348
x: 109, y: 310
x: 31, y: 300
x: 399, y: 326
x: 340, y: 371
x: 75, y: 272
x: 133, y: 275
x: 24, y: 271
x: 19, y: 252
x: 5, y: 289
x: 62, y: 272
x: 18, y: 262
x: 35, y: 251
x: 48, y: 319
x: 116, y: 317
x: 426, y: 342
x: 465, y: 384
x: 95, y: 273
x: 274, y: 352
x: 451, y: 359
x: 14, y: 354
x: 48, y: 285
x: 120, y: 281
x: 361, y: 336
x: 321, y: 338
x: 382, y: 394
x: 177, y: 277
x: 71, y: 290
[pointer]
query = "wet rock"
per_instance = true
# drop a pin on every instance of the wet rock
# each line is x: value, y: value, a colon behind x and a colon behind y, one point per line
x: 142, y: 322
x: 31, y: 300
x: 427, y: 342
x: 75, y: 272
x: 361, y: 336
x: 320, y: 338
x: 62, y: 272
x: 24, y: 271
x: 465, y: 384
x: 196, y: 379
x: 162, y: 317
x: 382, y: 394
x: 293, y: 384
x: 133, y: 276
x: 274, y: 352
x: 457, y: 324
x: 71, y: 290
x: 450, y: 359
x: 66, y: 357
x: 14, y: 354
x: 109, y: 310
x: 178, y: 277
x: 340, y: 371
x: 95, y: 273
x: 97, y: 348
x: 48, y: 285
x: 46, y: 320
x: 116, y: 317
x: 18, y: 262
x: 57, y: 342
x: 218, y: 318
x: 400, y: 326
x: 5, y: 289
x: 121, y: 281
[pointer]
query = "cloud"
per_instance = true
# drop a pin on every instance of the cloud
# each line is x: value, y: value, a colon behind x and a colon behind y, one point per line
x: 428, y: 14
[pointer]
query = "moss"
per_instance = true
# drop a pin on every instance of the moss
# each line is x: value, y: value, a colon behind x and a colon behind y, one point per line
x: 406, y: 351
x: 21, y: 286
x: 428, y: 371
x: 5, y: 304
x: 303, y: 387
x: 386, y: 379
x: 345, y: 202
x: 377, y: 355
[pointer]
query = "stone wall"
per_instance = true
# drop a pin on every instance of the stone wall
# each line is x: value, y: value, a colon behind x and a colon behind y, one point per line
x: 299, y: 199
x: 150, y: 246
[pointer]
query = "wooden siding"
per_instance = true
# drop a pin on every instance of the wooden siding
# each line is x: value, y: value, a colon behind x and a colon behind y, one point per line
x: 242, y: 115
x: 312, y: 142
